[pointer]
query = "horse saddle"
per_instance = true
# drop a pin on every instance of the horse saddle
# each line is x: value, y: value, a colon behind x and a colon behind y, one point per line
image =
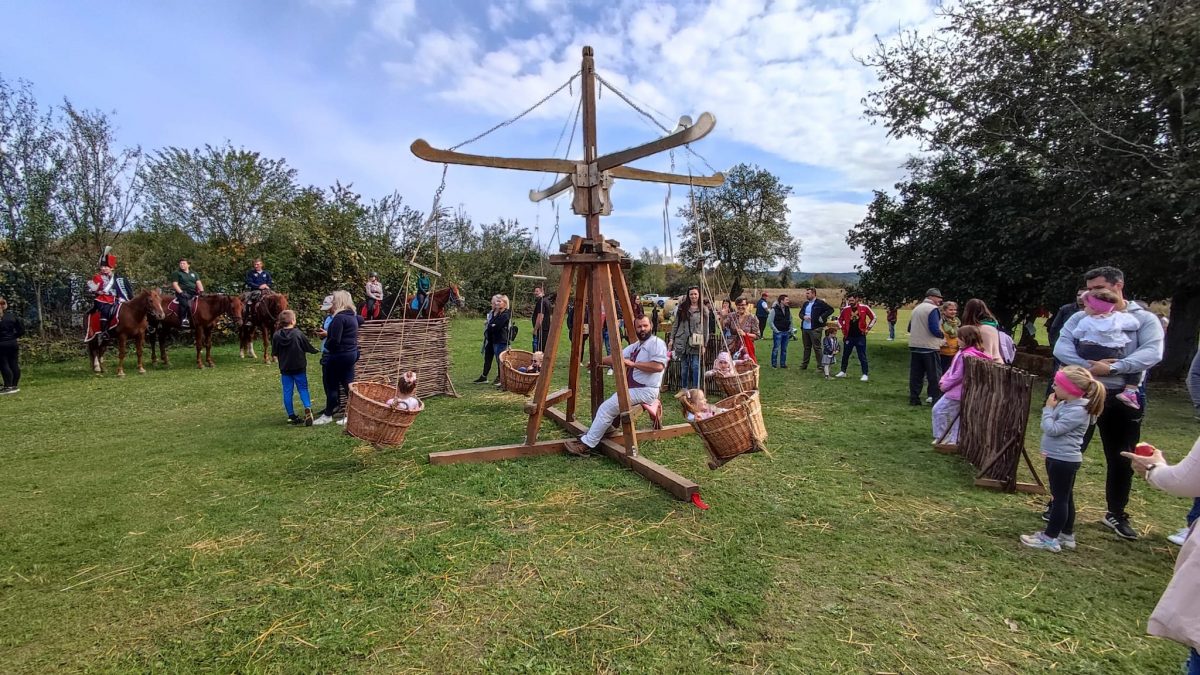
x: 173, y: 306
x: 95, y: 319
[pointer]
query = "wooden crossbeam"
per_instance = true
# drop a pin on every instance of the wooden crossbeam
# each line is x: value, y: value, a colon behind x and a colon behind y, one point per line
x: 498, y: 453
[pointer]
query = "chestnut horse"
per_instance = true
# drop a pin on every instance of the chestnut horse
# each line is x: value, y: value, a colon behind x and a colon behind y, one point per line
x: 133, y: 317
x: 436, y: 304
x: 261, y: 319
x: 208, y: 310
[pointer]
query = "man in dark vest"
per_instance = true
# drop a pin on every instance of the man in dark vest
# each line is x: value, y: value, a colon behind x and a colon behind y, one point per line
x: 780, y: 321
x: 761, y: 309
x: 925, y: 338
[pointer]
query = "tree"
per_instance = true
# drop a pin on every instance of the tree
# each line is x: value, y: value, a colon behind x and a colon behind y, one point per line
x: 222, y: 195
x: 741, y: 225
x: 31, y: 162
x: 1096, y: 107
x: 101, y: 187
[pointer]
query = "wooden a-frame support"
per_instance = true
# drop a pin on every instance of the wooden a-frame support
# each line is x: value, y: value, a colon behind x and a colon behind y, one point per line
x: 591, y: 271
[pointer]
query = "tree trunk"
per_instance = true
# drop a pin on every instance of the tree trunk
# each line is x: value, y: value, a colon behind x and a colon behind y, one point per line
x: 1182, y: 335
x: 37, y: 289
x: 735, y: 289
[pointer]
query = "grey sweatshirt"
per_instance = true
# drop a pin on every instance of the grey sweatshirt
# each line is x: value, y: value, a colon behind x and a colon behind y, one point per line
x: 1143, y: 352
x: 1063, y: 427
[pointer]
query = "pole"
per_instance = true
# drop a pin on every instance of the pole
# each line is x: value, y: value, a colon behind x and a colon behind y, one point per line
x: 589, y: 141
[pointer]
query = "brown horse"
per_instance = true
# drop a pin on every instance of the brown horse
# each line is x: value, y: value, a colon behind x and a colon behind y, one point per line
x: 436, y: 305
x: 133, y: 317
x: 208, y: 310
x: 261, y: 319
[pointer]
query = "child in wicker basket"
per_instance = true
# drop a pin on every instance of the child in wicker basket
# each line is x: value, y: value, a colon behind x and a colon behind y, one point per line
x: 289, y: 346
x: 696, y: 406
x: 535, y: 364
x: 405, y: 399
x: 726, y: 365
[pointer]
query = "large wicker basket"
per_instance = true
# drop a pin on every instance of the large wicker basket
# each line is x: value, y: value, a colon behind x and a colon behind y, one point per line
x: 512, y: 379
x: 745, y: 381
x: 369, y: 418
x: 738, y: 430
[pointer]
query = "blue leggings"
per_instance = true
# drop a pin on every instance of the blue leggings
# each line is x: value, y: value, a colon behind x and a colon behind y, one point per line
x: 300, y: 382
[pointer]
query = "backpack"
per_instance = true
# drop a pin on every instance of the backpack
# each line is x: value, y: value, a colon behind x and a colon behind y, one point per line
x: 512, y: 333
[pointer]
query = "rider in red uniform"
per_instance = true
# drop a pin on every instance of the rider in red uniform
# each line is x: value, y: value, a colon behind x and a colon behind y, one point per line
x: 103, y: 287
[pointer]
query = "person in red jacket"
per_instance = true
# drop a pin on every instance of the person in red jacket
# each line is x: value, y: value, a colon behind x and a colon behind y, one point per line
x: 103, y: 287
x: 855, y: 321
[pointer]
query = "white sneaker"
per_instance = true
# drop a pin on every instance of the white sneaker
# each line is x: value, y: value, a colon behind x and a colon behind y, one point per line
x: 841, y: 374
x: 323, y: 419
x: 929, y: 399
x: 1179, y: 537
x: 342, y: 422
x: 1067, y: 541
x: 864, y: 378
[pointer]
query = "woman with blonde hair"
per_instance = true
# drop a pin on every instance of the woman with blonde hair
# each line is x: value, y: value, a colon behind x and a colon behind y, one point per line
x: 495, y: 336
x: 10, y: 366
x: 341, y: 347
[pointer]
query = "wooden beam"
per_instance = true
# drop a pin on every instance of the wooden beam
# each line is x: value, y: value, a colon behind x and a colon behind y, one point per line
x: 631, y: 173
x: 557, y: 317
x: 1027, y: 488
x: 699, y: 130
x: 581, y: 286
x: 423, y: 150
x: 551, y: 399
x: 498, y: 453
x: 586, y: 258
x: 606, y: 274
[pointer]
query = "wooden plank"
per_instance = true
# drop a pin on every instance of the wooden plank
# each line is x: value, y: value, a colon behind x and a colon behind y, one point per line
x: 557, y: 316
x: 1027, y: 488
x: 423, y: 150
x: 558, y: 396
x: 606, y: 274
x: 669, y: 431
x: 581, y: 285
x: 576, y: 428
x: 703, y: 126
x: 588, y: 258
x: 946, y: 448
x: 631, y: 173
x: 498, y: 453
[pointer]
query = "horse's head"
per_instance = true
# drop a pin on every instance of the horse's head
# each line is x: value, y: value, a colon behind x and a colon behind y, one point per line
x: 456, y: 298
x: 154, y: 304
x: 235, y: 307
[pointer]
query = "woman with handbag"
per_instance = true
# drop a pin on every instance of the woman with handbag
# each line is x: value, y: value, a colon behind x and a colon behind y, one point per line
x: 495, y: 336
x: 688, y: 335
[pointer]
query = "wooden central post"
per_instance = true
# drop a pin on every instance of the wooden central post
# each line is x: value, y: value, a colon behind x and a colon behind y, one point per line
x: 589, y: 141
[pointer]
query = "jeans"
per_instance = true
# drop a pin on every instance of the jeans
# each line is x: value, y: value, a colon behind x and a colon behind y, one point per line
x: 812, y: 344
x: 1061, y: 476
x: 860, y: 345
x: 779, y: 345
x: 1194, y: 514
x: 1120, y: 429
x: 689, y: 371
x: 337, y: 371
x: 1193, y: 663
x: 924, y: 367
x: 490, y: 352
x: 891, y: 330
x: 10, y: 364
x: 298, y: 381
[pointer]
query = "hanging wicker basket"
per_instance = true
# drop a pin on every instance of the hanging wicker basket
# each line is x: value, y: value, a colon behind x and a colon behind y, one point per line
x: 738, y: 430
x: 369, y: 418
x: 512, y: 379
x: 744, y: 381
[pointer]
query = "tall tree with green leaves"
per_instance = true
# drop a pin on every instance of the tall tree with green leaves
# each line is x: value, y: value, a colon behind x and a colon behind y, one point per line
x: 101, y: 185
x: 31, y: 163
x: 1096, y: 106
x: 742, y: 225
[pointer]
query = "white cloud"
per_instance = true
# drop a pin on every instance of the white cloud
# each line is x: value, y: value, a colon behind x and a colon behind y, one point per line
x: 500, y: 14
x: 391, y: 18
x: 822, y: 226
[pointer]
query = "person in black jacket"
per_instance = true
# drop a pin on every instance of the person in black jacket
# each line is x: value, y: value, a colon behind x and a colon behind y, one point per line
x: 341, y: 353
x: 290, y: 346
x: 495, y: 336
x: 10, y: 367
x: 814, y: 314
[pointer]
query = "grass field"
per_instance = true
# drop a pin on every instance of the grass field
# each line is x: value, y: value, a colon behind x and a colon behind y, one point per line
x: 171, y: 522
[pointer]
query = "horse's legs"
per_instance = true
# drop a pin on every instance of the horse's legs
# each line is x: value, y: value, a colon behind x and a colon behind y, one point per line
x: 94, y: 352
x: 162, y: 348
x: 141, y: 340
x: 121, y: 354
x: 208, y: 336
x: 198, y: 336
x: 266, y: 345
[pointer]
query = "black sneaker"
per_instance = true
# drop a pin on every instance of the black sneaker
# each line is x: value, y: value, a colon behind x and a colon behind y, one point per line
x: 479, y: 380
x: 915, y: 402
x: 294, y: 419
x: 1120, y: 526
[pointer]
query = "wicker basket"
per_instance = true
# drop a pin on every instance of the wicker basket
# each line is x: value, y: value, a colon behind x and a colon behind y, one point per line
x: 512, y: 379
x: 368, y: 418
x: 738, y: 430
x: 745, y: 381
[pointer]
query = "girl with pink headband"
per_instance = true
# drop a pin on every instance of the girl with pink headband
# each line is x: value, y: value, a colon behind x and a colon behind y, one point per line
x: 1074, y: 405
x: 1101, y: 334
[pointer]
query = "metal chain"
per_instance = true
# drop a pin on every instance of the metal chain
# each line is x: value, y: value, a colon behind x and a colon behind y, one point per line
x: 606, y: 84
x: 525, y: 112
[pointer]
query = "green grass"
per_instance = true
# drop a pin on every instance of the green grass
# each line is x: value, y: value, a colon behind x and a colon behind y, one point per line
x: 171, y: 522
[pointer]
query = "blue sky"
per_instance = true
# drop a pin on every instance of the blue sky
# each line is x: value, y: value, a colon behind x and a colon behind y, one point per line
x: 340, y: 88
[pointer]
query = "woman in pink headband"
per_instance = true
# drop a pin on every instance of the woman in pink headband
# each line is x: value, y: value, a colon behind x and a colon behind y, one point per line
x: 1103, y: 334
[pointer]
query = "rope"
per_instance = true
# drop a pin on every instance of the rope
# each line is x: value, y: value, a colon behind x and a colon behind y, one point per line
x: 523, y: 113
x: 621, y: 95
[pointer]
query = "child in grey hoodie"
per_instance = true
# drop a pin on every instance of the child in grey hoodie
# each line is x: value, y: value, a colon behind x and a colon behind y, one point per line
x: 1077, y: 400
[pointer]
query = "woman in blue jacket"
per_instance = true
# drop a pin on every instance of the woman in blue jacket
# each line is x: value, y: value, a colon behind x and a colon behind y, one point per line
x: 495, y: 336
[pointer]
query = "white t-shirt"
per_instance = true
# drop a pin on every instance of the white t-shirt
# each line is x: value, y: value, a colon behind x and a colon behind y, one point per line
x: 1106, y: 331
x: 653, y: 349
